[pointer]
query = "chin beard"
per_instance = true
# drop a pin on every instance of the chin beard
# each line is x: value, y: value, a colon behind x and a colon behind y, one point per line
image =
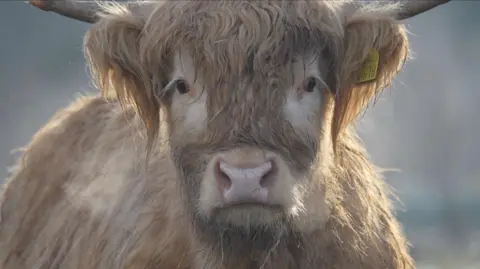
x: 244, y: 240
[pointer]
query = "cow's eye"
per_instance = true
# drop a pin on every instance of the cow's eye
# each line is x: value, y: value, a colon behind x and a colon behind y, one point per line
x: 309, y: 84
x: 182, y: 86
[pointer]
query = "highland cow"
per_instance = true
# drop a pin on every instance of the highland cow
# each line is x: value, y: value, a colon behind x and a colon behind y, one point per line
x: 223, y: 139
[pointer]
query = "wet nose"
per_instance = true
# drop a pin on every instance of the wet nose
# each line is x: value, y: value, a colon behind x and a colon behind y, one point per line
x: 245, y: 184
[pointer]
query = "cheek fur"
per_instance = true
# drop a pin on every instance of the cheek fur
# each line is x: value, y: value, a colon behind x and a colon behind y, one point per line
x: 189, y: 115
x: 191, y: 164
x: 302, y: 111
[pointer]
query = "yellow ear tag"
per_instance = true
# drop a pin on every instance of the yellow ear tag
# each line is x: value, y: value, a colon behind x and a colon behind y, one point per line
x: 370, y: 67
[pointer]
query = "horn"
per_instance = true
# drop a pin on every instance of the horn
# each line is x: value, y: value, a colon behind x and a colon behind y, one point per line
x: 86, y: 11
x: 77, y: 10
x: 413, y: 8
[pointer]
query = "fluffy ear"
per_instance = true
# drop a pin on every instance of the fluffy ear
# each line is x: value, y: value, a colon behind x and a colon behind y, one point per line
x: 366, y: 30
x: 112, y: 49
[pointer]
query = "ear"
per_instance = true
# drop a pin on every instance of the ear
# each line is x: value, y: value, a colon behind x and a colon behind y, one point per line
x: 112, y: 49
x: 366, y: 30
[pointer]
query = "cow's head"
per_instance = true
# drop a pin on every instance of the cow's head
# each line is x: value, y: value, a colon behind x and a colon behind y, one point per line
x: 255, y: 95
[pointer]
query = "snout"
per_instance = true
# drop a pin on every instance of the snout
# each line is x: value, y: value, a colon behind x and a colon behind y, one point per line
x: 245, y: 181
x: 249, y: 186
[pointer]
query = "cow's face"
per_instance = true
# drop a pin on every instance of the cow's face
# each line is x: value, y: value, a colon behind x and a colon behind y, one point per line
x: 247, y: 150
x: 248, y: 102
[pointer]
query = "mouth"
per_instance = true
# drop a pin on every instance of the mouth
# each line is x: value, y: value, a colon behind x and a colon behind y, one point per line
x: 248, y: 213
x: 247, y: 206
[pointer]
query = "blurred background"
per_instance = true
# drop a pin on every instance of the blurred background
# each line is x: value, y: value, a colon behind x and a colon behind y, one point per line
x: 425, y: 128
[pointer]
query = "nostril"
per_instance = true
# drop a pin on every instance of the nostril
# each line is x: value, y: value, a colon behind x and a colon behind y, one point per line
x: 245, y: 181
x: 222, y: 178
x: 268, y: 178
x: 261, y: 175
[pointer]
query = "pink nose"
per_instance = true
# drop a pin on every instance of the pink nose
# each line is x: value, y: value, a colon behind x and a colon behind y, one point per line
x: 244, y: 184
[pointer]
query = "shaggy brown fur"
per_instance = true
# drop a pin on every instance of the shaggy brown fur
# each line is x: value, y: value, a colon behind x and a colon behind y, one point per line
x: 83, y: 196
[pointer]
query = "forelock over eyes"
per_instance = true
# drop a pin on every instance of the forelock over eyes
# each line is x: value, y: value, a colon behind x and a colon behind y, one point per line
x: 237, y: 37
x: 330, y: 58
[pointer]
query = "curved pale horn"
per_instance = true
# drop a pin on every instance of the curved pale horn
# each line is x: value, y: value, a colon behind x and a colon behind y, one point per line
x: 77, y: 10
x: 413, y: 8
x: 86, y: 10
